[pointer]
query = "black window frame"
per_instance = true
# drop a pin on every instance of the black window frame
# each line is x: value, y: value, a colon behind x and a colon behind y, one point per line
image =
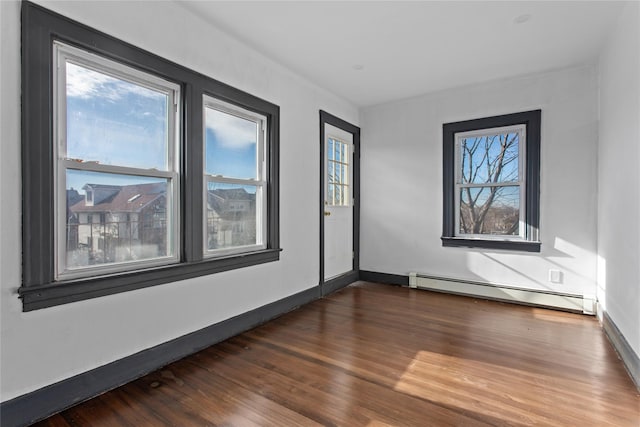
x: 532, y: 121
x: 40, y: 27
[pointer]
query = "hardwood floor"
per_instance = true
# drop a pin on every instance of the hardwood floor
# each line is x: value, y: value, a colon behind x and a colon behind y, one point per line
x: 379, y: 355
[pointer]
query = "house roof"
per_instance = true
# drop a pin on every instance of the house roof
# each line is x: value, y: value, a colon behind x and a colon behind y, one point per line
x: 128, y: 198
x: 216, y: 199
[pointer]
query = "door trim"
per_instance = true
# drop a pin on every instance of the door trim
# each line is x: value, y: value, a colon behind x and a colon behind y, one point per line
x: 334, y: 284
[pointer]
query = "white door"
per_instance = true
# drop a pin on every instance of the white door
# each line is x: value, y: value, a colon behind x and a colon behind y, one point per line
x: 338, y: 203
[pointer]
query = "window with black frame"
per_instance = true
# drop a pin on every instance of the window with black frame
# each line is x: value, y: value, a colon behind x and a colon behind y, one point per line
x: 491, y: 182
x: 116, y: 142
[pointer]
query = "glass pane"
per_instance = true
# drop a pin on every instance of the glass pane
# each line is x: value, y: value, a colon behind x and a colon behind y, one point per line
x: 331, y: 172
x: 336, y: 152
x: 490, y: 210
x: 345, y: 174
x: 115, y: 218
x: 231, y: 145
x: 115, y: 122
x: 231, y: 215
x: 330, y: 149
x: 337, y: 195
x: 330, y: 192
x: 492, y: 158
x: 345, y: 153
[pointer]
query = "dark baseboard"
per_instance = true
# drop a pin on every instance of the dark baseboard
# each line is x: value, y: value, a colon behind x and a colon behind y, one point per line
x: 40, y: 404
x: 339, y: 282
x: 629, y: 357
x: 391, y: 279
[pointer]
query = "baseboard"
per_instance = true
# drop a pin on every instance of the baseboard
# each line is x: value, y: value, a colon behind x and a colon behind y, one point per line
x: 42, y: 403
x: 339, y: 282
x: 537, y: 298
x: 629, y: 357
x: 390, y: 279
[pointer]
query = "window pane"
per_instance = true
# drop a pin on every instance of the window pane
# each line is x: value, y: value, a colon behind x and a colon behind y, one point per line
x: 490, y: 210
x: 231, y: 215
x: 336, y: 151
x: 330, y: 149
x: 231, y: 145
x: 115, y: 218
x: 115, y: 122
x: 492, y: 158
x: 338, y: 195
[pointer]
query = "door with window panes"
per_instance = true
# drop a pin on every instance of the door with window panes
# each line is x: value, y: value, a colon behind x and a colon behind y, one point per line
x: 338, y: 203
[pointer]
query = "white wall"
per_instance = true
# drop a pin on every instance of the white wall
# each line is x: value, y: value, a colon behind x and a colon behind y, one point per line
x: 41, y: 347
x: 619, y: 177
x: 401, y: 215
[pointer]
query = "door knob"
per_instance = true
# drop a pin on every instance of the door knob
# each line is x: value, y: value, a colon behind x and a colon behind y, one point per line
x: 327, y: 213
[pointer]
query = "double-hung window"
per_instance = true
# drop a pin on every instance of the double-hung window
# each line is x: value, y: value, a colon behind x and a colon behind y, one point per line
x: 117, y: 159
x: 136, y: 171
x: 235, y: 186
x: 491, y: 180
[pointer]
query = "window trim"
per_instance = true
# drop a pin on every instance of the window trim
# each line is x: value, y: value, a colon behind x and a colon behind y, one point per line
x: 530, y: 241
x: 39, y: 28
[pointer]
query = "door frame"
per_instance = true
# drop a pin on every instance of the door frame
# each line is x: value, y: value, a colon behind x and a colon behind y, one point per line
x: 326, y: 287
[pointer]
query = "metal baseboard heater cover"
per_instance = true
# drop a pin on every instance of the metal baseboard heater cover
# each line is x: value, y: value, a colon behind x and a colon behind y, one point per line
x: 585, y: 304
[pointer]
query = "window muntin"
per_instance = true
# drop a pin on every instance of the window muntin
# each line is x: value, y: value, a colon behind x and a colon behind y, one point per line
x: 235, y: 186
x: 489, y: 183
x: 116, y: 131
x: 338, y: 172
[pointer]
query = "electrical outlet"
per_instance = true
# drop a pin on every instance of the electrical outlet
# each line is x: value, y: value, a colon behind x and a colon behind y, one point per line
x: 555, y: 276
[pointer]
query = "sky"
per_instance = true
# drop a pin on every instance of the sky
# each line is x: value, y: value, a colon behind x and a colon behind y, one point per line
x: 115, y: 122
x: 479, y: 158
x: 481, y: 154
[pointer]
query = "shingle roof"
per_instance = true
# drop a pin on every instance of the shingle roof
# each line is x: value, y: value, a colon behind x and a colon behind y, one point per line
x: 125, y: 199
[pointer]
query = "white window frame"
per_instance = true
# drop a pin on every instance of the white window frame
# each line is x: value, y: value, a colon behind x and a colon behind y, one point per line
x: 63, y: 53
x: 260, y: 182
x: 521, y: 129
x: 348, y: 200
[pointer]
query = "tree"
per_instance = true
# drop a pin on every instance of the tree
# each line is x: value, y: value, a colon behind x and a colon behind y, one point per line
x: 490, y: 192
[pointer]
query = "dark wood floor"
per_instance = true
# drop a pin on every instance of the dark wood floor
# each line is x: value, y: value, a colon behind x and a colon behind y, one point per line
x: 379, y: 355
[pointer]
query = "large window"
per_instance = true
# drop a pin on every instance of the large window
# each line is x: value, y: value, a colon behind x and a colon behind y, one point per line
x: 491, y: 181
x: 117, y: 160
x: 116, y: 142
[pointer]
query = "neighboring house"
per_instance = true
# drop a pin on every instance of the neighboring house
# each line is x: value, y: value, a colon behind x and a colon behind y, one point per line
x: 231, y: 218
x: 113, y: 223
x: 118, y: 223
x: 73, y: 197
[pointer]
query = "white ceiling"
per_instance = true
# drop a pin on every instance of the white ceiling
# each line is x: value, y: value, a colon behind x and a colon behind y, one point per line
x: 410, y: 48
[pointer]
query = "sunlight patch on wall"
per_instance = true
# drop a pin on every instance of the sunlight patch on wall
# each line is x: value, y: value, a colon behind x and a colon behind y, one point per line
x: 601, y: 291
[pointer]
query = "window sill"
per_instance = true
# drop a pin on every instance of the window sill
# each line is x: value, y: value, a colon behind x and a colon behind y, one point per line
x: 522, y: 246
x: 64, y: 292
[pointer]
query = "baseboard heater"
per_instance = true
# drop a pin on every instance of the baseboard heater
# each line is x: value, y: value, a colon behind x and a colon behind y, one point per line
x: 568, y: 302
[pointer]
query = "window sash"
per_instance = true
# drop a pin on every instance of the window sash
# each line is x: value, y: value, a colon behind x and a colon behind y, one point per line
x: 62, y: 54
x: 260, y: 182
x: 521, y: 129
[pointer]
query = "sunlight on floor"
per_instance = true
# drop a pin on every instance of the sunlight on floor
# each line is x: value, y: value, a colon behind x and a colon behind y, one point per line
x: 552, y: 316
x: 469, y: 385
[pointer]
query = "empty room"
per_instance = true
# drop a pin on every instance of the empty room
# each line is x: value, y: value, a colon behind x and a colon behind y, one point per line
x: 319, y: 213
